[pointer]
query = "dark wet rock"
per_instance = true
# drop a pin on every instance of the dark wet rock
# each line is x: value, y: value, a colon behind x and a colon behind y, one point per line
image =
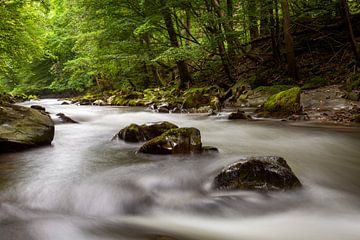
x: 38, y: 107
x: 65, y: 119
x: 65, y: 103
x: 238, y: 115
x: 210, y: 149
x: 257, y: 173
x: 163, y: 108
x: 144, y: 132
x: 22, y: 128
x: 174, y: 141
x: 131, y: 133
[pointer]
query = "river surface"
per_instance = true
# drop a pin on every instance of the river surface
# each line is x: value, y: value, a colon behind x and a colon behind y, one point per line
x: 85, y: 186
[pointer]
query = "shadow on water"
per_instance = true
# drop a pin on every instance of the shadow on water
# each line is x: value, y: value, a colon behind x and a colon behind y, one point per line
x: 86, y: 186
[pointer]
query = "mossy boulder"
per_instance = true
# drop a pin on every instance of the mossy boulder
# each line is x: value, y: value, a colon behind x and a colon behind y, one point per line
x: 174, y: 141
x: 257, y: 173
x: 144, y: 132
x: 22, y: 127
x: 198, y: 97
x: 284, y: 103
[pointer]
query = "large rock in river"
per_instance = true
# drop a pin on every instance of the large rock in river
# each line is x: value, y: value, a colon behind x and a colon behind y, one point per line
x: 144, y: 132
x: 22, y: 127
x: 175, y: 141
x: 257, y: 173
x: 284, y: 103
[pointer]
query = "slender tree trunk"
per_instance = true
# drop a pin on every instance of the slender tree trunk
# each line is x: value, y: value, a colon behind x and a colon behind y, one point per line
x: 254, y: 31
x: 184, y: 74
x: 264, y: 17
x: 346, y: 16
x: 289, y: 42
x: 153, y: 70
x: 188, y: 25
x: 274, y: 38
x: 226, y: 60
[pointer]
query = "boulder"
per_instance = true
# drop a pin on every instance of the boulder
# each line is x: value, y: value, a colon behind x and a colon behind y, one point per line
x: 22, y: 128
x: 257, y: 173
x: 238, y: 115
x: 174, y: 141
x: 65, y: 119
x: 284, y: 103
x: 65, y: 103
x: 144, y: 132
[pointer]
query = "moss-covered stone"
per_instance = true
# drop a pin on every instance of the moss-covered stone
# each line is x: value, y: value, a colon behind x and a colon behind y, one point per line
x: 257, y: 173
x: 174, y: 141
x: 144, y: 132
x: 132, y: 133
x: 22, y: 127
x: 284, y: 103
x: 198, y: 97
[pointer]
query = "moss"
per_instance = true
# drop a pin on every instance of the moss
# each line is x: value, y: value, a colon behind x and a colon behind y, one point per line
x: 315, y: 82
x: 273, y: 89
x: 285, y: 102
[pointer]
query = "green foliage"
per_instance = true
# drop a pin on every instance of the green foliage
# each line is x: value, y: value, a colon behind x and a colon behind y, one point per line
x: 77, y: 45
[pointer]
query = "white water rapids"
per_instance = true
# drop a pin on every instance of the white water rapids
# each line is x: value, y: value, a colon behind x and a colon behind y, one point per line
x: 85, y: 186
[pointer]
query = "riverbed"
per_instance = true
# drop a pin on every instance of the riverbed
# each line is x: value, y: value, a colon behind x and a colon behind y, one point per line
x: 85, y: 186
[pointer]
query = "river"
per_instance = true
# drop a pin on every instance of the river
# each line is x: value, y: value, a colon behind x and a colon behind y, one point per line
x: 85, y: 186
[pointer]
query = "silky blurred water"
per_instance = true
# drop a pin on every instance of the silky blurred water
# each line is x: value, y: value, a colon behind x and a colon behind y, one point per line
x: 85, y: 186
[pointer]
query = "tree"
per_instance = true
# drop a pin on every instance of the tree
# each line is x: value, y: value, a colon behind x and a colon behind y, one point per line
x: 289, y: 42
x: 346, y: 16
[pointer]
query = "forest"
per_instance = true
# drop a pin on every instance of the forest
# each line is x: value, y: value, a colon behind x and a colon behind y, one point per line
x: 72, y: 47
x: 179, y: 120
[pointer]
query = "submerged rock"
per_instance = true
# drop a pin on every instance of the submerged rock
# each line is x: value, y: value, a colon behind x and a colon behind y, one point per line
x: 210, y: 149
x: 22, y: 128
x: 257, y: 173
x: 144, y: 132
x: 174, y: 141
x: 65, y: 119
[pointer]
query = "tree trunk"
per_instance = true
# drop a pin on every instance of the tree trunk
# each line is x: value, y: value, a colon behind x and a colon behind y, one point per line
x: 289, y: 42
x: 254, y: 31
x: 184, y: 74
x: 346, y: 16
x: 274, y: 37
x: 153, y: 70
x: 226, y: 60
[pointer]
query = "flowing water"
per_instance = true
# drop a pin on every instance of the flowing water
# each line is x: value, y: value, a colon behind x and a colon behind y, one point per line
x: 85, y: 186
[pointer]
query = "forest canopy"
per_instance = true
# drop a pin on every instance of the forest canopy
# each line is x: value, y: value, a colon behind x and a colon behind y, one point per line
x: 77, y: 45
